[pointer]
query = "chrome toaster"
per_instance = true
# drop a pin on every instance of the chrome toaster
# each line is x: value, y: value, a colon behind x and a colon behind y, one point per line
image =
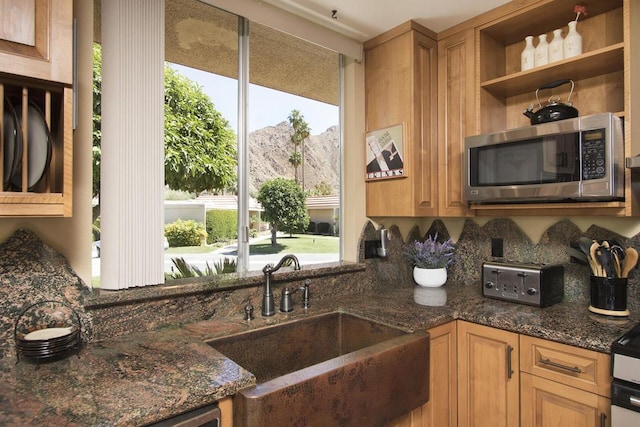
x: 533, y: 284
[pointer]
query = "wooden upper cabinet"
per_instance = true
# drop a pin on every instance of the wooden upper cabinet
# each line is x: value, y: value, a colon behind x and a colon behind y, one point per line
x: 470, y: 83
x: 456, y: 118
x: 36, y: 39
x: 36, y: 63
x: 401, y: 89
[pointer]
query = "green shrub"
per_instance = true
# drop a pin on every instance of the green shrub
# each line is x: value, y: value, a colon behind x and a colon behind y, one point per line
x: 225, y: 265
x: 184, y: 269
x: 185, y: 233
x: 222, y: 225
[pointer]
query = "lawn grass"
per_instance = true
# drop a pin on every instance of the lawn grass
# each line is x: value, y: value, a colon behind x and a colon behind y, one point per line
x: 297, y: 244
x: 193, y: 249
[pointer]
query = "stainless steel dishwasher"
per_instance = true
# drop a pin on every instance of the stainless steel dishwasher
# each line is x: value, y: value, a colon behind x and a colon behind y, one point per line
x: 625, y: 388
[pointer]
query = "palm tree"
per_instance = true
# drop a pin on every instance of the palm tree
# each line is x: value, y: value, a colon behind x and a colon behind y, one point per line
x: 300, y: 133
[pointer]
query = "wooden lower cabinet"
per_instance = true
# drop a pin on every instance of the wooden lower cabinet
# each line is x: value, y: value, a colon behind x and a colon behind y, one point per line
x: 488, y: 377
x: 482, y: 376
x: 563, y: 385
x: 546, y: 403
x: 441, y: 410
x: 226, y: 412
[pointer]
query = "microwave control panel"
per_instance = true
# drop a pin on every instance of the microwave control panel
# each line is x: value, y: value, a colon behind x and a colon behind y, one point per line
x: 593, y: 154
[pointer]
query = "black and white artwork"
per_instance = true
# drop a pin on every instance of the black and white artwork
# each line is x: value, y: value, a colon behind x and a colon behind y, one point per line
x: 384, y: 153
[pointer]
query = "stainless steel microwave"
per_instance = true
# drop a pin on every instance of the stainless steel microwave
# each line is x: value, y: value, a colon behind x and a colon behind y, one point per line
x: 578, y: 159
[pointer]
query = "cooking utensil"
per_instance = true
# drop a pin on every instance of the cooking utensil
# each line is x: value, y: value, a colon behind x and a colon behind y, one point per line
x: 554, y: 110
x: 603, y: 255
x: 598, y: 270
x: 617, y: 266
x: 617, y: 256
x: 584, y: 243
x: 630, y: 261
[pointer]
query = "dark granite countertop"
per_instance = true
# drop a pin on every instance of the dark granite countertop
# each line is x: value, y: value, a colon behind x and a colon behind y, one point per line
x: 144, y: 377
x: 566, y: 322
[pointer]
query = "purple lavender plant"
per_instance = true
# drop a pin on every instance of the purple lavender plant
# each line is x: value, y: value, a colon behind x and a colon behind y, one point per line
x: 430, y: 253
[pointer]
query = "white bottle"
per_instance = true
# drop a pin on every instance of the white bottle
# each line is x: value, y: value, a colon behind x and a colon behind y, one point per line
x: 541, y: 53
x: 527, y: 58
x: 556, y: 48
x: 572, y: 42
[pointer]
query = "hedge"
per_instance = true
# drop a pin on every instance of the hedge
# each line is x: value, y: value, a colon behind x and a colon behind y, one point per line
x: 222, y: 225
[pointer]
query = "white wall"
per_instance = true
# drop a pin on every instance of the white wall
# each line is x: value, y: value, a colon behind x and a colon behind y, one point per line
x: 184, y: 211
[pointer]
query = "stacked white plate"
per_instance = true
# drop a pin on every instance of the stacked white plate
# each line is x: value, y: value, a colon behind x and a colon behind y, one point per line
x: 38, y: 145
x: 39, y: 339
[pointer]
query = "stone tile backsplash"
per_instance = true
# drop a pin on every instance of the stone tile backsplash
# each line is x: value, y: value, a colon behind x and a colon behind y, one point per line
x: 474, y: 248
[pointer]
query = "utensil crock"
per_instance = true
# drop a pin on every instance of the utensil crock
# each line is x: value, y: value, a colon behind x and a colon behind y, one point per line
x: 608, y: 296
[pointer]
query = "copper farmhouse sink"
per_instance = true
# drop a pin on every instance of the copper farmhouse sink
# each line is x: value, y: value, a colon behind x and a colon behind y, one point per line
x: 333, y: 369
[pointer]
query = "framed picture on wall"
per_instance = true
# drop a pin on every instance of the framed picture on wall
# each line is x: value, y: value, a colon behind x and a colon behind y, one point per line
x: 384, y: 153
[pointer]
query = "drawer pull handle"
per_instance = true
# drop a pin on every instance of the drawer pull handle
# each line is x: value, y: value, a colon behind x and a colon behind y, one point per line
x: 603, y: 419
x: 635, y: 401
x: 561, y: 366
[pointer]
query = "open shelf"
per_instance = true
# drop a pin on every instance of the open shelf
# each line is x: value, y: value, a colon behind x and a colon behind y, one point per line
x: 531, y: 20
x: 598, y: 62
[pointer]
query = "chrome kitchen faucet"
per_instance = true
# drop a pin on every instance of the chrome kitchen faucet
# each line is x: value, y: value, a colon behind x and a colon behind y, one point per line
x: 268, y: 304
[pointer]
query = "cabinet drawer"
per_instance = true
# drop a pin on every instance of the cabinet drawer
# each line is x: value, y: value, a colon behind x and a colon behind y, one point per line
x: 573, y: 366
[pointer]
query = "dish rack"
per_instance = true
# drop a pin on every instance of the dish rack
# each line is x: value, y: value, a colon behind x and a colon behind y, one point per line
x: 46, y: 331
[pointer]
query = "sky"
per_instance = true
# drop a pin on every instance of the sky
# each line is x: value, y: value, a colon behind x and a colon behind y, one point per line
x: 268, y: 107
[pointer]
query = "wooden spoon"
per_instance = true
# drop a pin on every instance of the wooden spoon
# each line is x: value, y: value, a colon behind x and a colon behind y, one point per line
x: 629, y: 262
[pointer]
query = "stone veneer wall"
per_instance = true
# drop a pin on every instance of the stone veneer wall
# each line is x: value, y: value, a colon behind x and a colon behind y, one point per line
x: 32, y: 272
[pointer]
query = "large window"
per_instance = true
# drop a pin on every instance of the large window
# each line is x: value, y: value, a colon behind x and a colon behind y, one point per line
x: 289, y: 121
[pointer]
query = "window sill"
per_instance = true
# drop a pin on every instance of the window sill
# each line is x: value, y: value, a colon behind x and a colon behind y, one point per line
x: 202, y: 285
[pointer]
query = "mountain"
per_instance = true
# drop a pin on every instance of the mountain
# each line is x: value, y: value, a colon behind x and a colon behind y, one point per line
x: 270, y: 148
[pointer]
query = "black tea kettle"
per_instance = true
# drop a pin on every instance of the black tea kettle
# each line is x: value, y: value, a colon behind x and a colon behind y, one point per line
x: 554, y: 110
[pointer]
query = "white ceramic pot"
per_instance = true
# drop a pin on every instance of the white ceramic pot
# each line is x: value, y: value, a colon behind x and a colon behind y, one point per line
x: 430, y: 277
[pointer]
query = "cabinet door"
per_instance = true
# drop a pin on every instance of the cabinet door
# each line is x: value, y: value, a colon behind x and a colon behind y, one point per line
x: 488, y: 379
x: 441, y: 409
x: 546, y: 403
x: 36, y: 39
x: 401, y: 89
x: 456, y: 118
